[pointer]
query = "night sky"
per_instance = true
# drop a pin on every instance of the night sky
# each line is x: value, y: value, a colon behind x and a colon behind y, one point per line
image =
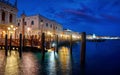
x: 101, y: 17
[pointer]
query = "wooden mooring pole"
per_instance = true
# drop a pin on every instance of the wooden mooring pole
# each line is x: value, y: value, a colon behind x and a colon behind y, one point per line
x: 23, y: 42
x: 32, y: 42
x: 43, y: 45
x: 6, y: 45
x: 83, y: 48
x: 20, y: 46
x: 71, y: 44
x: 57, y: 43
x: 10, y: 43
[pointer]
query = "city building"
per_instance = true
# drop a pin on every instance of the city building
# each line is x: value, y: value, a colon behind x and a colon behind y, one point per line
x: 37, y: 24
x: 8, y: 13
x: 28, y: 25
x: 67, y: 33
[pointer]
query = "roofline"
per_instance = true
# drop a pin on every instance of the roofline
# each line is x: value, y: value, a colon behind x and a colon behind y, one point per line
x: 8, y: 4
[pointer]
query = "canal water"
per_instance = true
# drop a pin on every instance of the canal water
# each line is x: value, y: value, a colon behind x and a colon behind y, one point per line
x: 102, y: 58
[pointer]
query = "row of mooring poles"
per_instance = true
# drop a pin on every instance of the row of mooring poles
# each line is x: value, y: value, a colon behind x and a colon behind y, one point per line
x: 82, y: 49
x: 21, y: 44
x: 43, y: 44
x: 10, y: 47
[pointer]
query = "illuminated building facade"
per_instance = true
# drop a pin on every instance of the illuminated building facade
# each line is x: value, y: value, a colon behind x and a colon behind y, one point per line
x: 37, y: 24
x: 8, y: 13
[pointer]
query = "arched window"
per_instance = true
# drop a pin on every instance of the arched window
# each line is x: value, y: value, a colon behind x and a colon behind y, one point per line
x: 32, y: 23
x: 46, y: 24
x: 3, y: 16
x: 51, y: 25
x: 10, y: 18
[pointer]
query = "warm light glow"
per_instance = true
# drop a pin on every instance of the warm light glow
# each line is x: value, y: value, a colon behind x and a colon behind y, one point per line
x: 11, y: 66
x: 3, y: 48
x: 3, y: 31
x: 78, y: 37
x: 14, y: 29
x: 49, y: 33
x: 11, y: 32
x: 64, y: 57
x: 28, y: 29
x: 74, y: 36
x: 8, y: 28
x: 49, y: 50
x: 13, y: 48
x: 11, y: 26
x: 61, y: 35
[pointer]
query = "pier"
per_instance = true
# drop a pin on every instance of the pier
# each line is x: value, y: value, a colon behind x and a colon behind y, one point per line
x: 41, y: 44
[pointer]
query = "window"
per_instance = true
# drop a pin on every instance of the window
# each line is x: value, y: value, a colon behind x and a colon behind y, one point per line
x: 3, y: 16
x: 19, y: 20
x: 32, y: 23
x: 51, y: 25
x: 10, y: 18
x: 25, y: 23
x: 18, y: 24
x: 46, y: 24
x: 41, y: 20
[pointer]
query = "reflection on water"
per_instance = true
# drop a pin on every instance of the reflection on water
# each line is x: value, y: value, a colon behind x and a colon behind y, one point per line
x: 65, y: 60
x: 103, y: 60
x: 52, y: 64
x: 29, y: 64
x: 12, y: 64
x: 32, y: 63
x: 2, y: 62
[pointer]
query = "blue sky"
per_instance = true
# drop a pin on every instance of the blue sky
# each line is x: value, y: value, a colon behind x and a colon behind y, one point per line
x: 101, y: 17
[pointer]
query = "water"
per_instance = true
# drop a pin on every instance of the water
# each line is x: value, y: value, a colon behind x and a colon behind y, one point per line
x: 101, y: 59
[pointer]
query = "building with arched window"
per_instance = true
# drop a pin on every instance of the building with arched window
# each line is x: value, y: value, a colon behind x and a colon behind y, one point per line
x: 37, y: 24
x: 8, y: 13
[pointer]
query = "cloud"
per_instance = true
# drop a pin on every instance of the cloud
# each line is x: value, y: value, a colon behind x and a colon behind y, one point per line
x: 84, y: 15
